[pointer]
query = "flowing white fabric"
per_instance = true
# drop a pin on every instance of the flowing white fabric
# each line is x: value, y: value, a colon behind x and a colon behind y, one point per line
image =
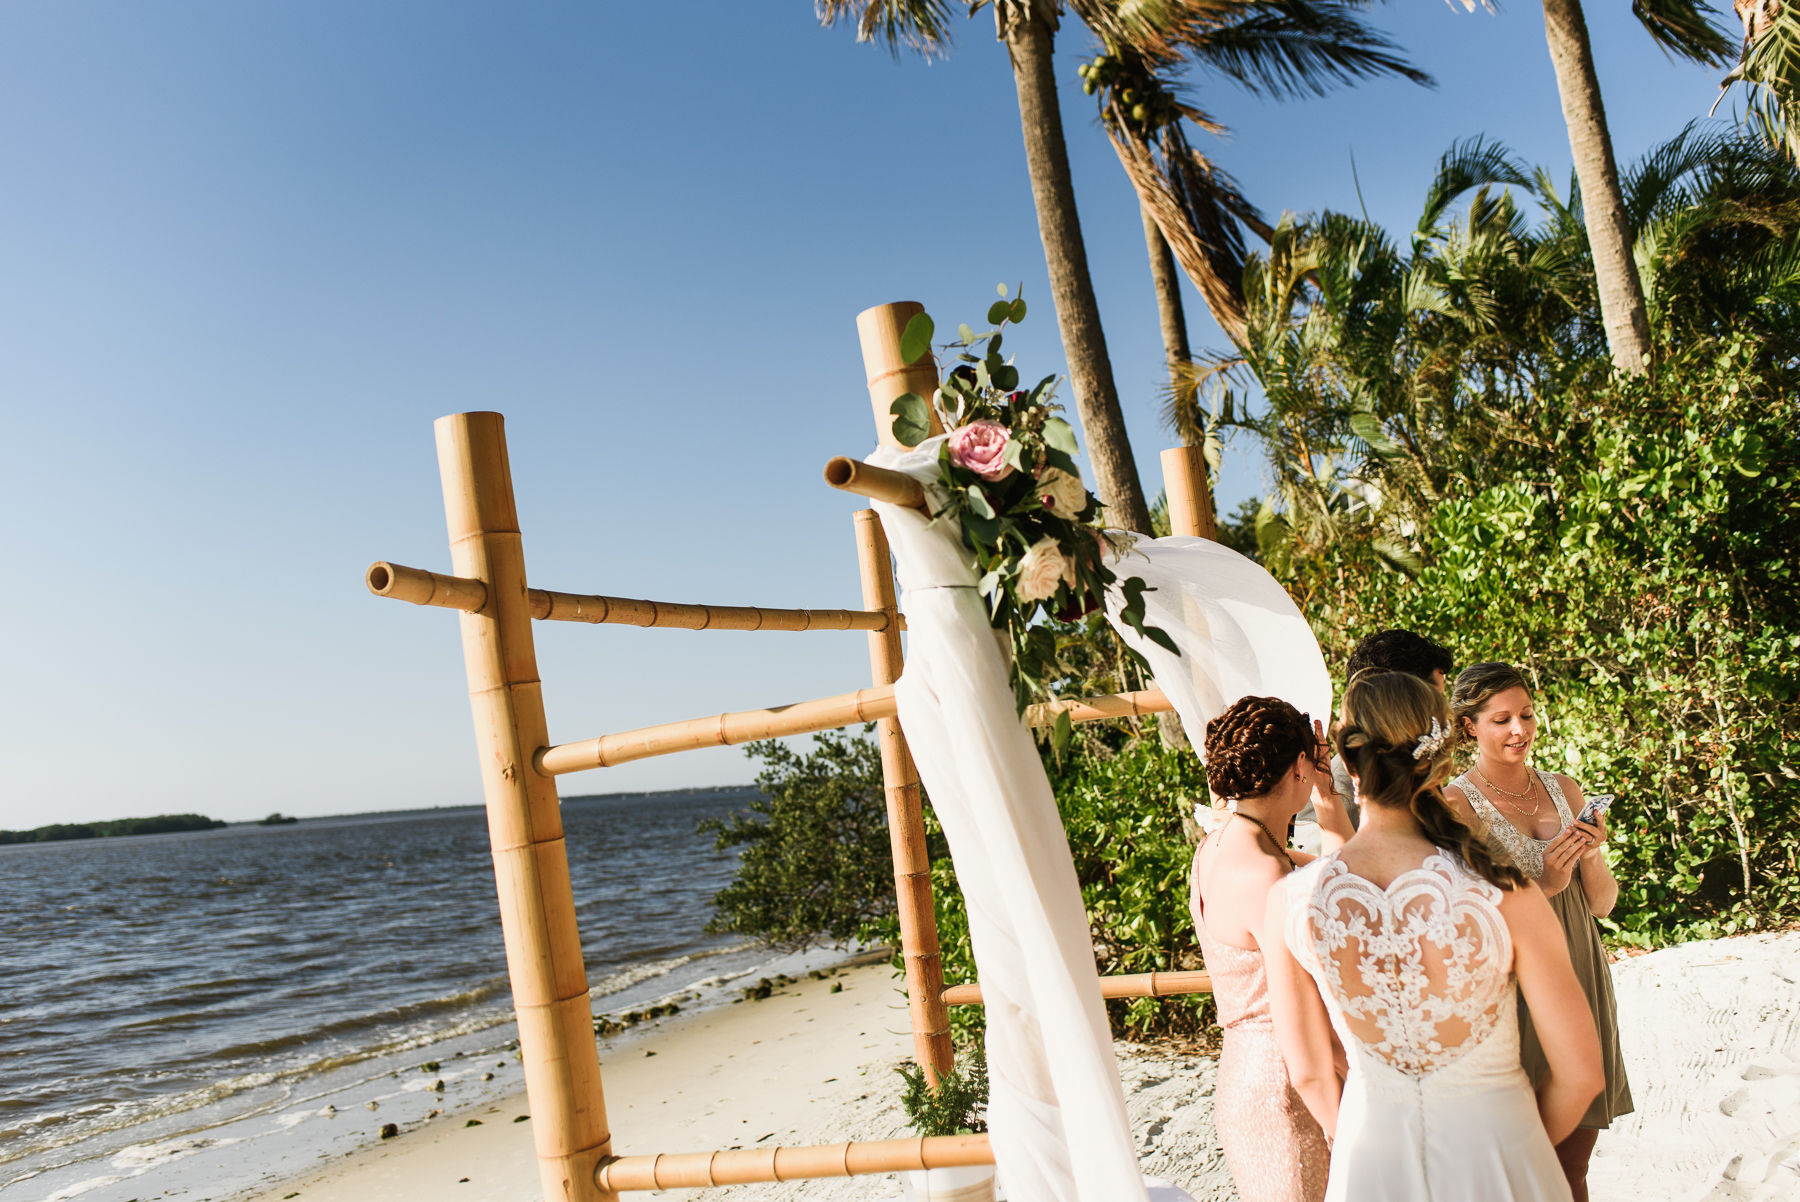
x: 1417, y: 980
x: 1240, y: 633
x: 1056, y: 1110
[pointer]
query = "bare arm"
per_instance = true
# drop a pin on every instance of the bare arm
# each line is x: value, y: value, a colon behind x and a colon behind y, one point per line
x: 1335, y: 828
x: 1559, y: 1012
x: 1598, y: 884
x: 1302, y: 1026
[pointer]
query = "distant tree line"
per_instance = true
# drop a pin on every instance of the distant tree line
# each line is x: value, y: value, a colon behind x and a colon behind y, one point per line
x: 162, y: 824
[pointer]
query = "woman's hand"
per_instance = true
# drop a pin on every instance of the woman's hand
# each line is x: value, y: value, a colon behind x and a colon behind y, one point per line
x: 1596, y: 832
x: 1597, y: 881
x: 1561, y: 857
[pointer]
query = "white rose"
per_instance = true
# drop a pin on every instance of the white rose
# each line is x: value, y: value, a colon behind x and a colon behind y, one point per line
x: 1062, y: 494
x: 1042, y: 570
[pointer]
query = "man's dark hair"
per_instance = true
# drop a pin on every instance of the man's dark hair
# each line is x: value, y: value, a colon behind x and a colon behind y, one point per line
x: 1400, y: 651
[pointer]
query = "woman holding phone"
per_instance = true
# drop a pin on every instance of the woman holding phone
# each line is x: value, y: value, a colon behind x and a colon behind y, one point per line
x: 1530, y: 818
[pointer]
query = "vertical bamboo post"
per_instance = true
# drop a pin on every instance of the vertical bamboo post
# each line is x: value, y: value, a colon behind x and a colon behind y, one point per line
x: 890, y: 376
x: 531, y: 866
x: 879, y: 330
x: 1189, y: 493
x: 906, y: 819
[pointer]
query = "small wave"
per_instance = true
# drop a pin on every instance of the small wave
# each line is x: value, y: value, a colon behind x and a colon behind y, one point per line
x: 143, y: 1156
x: 621, y: 981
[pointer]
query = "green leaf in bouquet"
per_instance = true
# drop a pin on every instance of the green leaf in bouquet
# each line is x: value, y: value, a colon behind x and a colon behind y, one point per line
x: 1001, y: 288
x: 978, y: 502
x: 989, y: 583
x: 981, y: 375
x: 1060, y: 459
x: 916, y: 340
x: 912, y: 418
x: 1057, y: 432
x: 1013, y: 455
x: 983, y: 532
x: 1006, y: 378
x: 1017, y: 311
x: 998, y: 312
x: 993, y: 350
x: 1038, y: 391
x: 966, y: 334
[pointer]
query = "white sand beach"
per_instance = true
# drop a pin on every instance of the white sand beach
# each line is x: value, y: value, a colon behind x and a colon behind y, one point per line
x: 1712, y: 1043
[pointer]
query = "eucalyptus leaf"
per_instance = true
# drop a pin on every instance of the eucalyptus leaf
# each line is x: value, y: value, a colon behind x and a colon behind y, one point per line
x: 1001, y: 288
x: 1061, y: 460
x: 1059, y: 434
x: 1006, y: 378
x: 912, y: 419
x: 1038, y: 391
x: 915, y: 342
x: 979, y: 503
x: 998, y: 312
x: 965, y: 333
x: 1018, y: 311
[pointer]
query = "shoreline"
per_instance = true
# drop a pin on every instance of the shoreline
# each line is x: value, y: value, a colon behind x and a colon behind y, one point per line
x: 732, y: 1076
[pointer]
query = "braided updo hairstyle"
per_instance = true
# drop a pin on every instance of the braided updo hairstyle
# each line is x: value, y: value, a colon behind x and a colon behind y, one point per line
x: 1385, y: 715
x: 1252, y: 745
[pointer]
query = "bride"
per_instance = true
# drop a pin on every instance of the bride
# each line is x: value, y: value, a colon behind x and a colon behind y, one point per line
x: 1408, y: 942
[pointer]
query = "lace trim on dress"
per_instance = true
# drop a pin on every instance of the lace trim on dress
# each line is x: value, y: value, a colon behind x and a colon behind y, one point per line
x: 1524, y: 850
x: 1420, y: 971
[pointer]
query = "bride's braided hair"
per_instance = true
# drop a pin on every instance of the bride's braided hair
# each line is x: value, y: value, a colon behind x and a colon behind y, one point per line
x: 1385, y: 716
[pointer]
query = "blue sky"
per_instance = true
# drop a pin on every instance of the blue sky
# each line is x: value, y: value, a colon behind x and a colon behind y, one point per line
x: 250, y: 250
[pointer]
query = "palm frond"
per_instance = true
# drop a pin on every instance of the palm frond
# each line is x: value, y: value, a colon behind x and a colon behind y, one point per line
x: 1682, y: 27
x: 922, y: 25
x: 1287, y: 48
x: 1468, y: 164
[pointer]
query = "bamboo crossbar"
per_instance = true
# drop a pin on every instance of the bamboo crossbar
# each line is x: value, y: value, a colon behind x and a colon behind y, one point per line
x: 742, y: 1166
x: 805, y: 717
x: 875, y: 483
x: 455, y: 592
x: 1143, y: 984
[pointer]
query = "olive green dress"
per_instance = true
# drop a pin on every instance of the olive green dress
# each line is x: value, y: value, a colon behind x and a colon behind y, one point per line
x: 1585, y: 950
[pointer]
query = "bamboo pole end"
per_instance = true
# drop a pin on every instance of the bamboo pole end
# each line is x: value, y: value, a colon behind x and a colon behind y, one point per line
x: 839, y: 472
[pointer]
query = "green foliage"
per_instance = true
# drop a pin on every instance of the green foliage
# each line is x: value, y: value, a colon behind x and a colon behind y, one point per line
x: 815, y: 865
x: 959, y: 1104
x: 162, y: 824
x: 1644, y: 575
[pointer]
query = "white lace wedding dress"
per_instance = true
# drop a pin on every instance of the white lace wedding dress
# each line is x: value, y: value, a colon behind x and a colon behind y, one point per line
x: 1418, y: 981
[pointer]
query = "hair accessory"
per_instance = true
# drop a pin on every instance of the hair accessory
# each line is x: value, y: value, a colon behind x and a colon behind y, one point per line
x: 1432, y: 742
x: 1231, y: 805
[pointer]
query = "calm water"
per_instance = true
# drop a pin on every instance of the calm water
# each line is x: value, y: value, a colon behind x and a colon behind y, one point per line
x: 200, y: 1012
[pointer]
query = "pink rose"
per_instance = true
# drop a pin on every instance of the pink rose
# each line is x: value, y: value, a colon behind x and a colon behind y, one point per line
x: 1042, y: 570
x: 981, y: 448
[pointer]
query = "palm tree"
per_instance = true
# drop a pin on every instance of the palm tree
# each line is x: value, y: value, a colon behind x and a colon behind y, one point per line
x: 1680, y: 27
x: 1028, y: 28
x: 1280, y: 49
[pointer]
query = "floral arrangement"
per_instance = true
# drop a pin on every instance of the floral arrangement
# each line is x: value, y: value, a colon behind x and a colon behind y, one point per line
x: 1008, y: 472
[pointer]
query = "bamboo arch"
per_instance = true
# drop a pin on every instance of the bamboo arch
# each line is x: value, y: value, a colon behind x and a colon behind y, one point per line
x: 519, y: 765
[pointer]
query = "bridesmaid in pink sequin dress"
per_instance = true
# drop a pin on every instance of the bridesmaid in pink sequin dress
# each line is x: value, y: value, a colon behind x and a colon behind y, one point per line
x: 1266, y: 755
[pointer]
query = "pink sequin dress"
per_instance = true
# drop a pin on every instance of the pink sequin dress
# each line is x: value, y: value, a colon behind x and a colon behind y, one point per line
x: 1272, y: 1143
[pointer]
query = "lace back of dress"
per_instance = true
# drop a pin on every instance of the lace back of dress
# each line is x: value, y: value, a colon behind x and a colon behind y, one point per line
x: 1420, y: 970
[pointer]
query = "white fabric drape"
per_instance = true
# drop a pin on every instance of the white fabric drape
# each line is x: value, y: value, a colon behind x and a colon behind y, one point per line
x: 1240, y: 633
x: 1056, y: 1110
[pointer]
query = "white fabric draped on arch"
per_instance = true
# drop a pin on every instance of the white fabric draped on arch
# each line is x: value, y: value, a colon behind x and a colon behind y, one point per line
x: 1056, y: 1109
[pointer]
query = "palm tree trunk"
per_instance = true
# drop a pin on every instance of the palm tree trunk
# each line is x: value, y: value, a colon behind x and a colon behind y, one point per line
x: 1168, y: 296
x: 1028, y: 29
x: 1602, y: 201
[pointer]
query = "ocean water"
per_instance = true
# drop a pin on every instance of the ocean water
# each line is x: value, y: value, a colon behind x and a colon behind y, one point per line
x: 199, y: 1014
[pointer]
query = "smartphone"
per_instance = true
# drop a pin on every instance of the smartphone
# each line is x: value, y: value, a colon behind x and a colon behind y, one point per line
x: 1597, y: 804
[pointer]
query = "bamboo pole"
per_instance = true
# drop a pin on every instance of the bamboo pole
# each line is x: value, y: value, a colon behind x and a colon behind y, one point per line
x: 879, y: 329
x: 906, y: 820
x: 1189, y: 494
x: 805, y: 717
x: 1143, y: 984
x: 454, y: 592
x: 531, y: 867
x: 742, y: 1166
x: 875, y: 483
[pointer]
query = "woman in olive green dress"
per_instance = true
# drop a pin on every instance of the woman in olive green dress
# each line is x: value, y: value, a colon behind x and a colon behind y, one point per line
x: 1529, y: 816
